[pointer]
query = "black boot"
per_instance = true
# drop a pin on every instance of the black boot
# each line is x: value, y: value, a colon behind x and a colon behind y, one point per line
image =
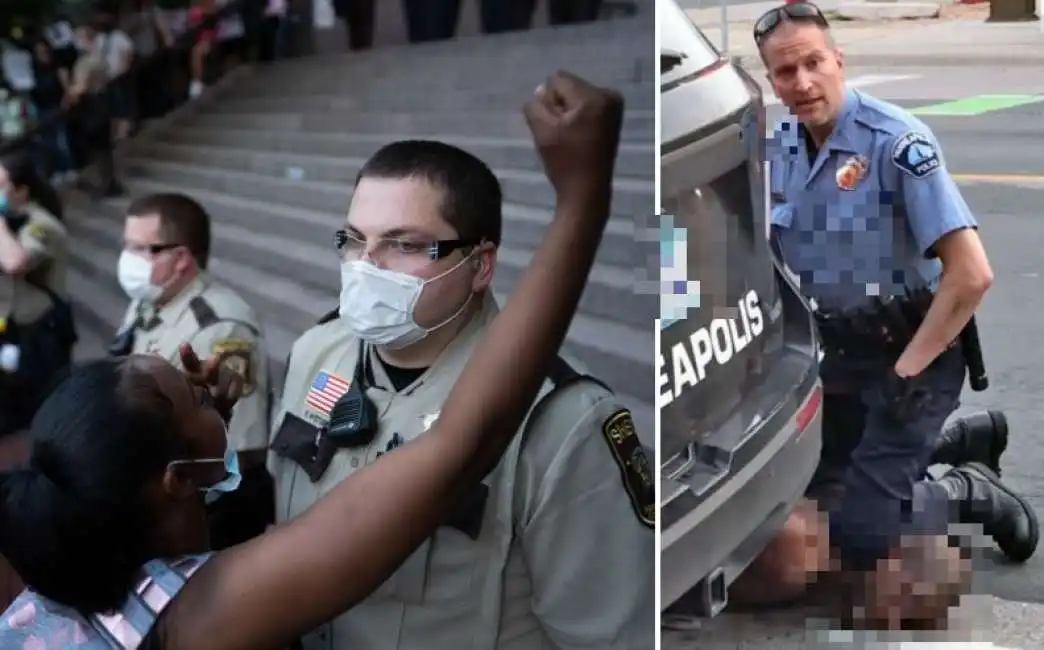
x: 981, y: 437
x: 1005, y: 516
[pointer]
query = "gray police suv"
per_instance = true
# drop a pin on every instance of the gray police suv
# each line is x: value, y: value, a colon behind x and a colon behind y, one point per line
x: 739, y: 394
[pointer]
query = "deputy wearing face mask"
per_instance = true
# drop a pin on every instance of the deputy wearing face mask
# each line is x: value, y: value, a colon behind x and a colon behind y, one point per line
x: 555, y: 549
x: 36, y: 328
x: 162, y: 269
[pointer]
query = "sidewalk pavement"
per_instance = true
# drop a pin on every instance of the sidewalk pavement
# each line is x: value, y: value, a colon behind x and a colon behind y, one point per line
x: 960, y: 37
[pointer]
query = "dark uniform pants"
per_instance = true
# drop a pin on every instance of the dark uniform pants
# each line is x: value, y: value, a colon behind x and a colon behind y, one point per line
x: 872, y: 466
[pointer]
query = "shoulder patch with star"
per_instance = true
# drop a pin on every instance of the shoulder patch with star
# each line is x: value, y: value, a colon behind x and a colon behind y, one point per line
x: 626, y: 447
x: 915, y: 154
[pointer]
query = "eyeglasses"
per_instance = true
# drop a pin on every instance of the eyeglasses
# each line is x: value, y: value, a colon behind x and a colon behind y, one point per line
x: 150, y: 249
x: 797, y: 12
x: 396, y: 251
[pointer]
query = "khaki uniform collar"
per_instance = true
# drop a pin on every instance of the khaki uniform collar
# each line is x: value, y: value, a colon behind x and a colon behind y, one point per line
x: 172, y: 312
x: 453, y: 358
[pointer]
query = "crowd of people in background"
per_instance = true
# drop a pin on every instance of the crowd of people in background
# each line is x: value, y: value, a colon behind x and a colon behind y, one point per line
x: 127, y: 62
x: 130, y: 63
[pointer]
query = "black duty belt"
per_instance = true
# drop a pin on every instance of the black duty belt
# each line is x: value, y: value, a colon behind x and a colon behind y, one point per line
x: 882, y: 327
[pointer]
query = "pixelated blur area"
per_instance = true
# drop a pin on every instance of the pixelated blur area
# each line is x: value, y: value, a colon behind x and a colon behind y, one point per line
x: 843, y: 239
x: 678, y: 293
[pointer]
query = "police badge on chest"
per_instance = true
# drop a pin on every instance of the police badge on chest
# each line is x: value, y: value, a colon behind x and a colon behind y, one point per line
x: 851, y: 172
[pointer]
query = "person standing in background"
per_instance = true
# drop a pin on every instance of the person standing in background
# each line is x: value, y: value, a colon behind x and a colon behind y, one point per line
x: 59, y: 35
x: 232, y: 39
x: 433, y: 20
x: 117, y: 52
x: 360, y: 19
x: 143, y: 25
x: 201, y: 15
x: 498, y: 16
x: 87, y: 93
x: 272, y: 37
x: 17, y: 65
x: 52, y: 82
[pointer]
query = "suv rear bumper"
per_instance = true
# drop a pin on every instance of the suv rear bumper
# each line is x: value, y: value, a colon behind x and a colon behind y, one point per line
x: 727, y: 531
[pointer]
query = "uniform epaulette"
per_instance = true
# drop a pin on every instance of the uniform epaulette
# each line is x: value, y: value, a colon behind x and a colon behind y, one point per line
x: 206, y: 315
x: 329, y: 316
x: 203, y: 312
x: 561, y: 374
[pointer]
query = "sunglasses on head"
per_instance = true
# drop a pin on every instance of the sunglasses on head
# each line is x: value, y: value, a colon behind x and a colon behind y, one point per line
x: 797, y: 12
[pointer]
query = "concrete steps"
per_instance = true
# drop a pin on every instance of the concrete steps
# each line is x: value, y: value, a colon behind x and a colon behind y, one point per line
x: 273, y: 157
x: 636, y: 159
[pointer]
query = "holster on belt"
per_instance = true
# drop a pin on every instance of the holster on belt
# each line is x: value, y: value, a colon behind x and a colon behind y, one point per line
x: 881, y: 328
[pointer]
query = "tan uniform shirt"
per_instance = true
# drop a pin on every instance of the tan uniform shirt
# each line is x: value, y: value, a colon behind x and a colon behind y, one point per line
x: 216, y: 321
x: 559, y: 559
x: 44, y: 238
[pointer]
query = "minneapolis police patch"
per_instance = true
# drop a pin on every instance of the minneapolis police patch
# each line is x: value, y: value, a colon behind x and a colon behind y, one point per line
x: 916, y: 154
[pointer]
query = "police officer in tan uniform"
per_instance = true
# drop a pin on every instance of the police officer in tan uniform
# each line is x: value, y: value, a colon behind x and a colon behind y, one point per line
x: 36, y: 329
x: 556, y: 548
x: 173, y: 302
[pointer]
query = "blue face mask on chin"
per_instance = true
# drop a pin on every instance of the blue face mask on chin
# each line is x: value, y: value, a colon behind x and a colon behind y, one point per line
x: 228, y: 484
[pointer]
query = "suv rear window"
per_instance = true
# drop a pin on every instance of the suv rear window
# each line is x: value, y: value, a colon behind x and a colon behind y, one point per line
x: 683, y: 48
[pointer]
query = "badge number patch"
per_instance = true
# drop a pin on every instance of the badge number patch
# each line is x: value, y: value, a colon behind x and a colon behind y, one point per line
x: 238, y: 356
x: 620, y: 434
x: 916, y: 154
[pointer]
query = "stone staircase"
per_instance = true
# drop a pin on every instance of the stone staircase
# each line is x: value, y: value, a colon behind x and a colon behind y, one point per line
x: 272, y: 156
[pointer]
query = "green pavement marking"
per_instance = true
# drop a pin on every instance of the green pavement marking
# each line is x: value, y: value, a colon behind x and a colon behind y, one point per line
x: 978, y: 105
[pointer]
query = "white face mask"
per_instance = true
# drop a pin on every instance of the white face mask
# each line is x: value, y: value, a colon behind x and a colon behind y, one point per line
x: 135, y: 276
x: 377, y: 305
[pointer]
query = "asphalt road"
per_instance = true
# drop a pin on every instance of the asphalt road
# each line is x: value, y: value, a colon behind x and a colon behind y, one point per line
x: 1001, y: 173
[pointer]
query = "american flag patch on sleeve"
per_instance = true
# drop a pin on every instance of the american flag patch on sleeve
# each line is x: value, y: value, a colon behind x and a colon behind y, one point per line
x: 324, y: 392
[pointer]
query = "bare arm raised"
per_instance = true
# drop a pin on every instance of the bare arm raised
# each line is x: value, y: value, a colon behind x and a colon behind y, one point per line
x: 264, y: 593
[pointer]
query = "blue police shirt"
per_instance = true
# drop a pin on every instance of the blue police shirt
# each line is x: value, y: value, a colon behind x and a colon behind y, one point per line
x: 862, y: 219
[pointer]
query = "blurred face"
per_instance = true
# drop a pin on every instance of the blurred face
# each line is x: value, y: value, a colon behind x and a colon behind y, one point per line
x: 178, y: 495
x: 142, y: 236
x: 16, y: 196
x: 395, y: 223
x: 806, y: 72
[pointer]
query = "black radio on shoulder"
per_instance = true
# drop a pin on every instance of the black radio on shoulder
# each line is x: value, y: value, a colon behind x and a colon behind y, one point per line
x: 353, y: 419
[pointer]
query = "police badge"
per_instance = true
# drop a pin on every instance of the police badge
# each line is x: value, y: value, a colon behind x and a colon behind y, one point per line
x: 852, y: 172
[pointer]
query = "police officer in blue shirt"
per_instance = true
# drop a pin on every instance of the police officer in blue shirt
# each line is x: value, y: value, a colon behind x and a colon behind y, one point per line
x: 868, y: 219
